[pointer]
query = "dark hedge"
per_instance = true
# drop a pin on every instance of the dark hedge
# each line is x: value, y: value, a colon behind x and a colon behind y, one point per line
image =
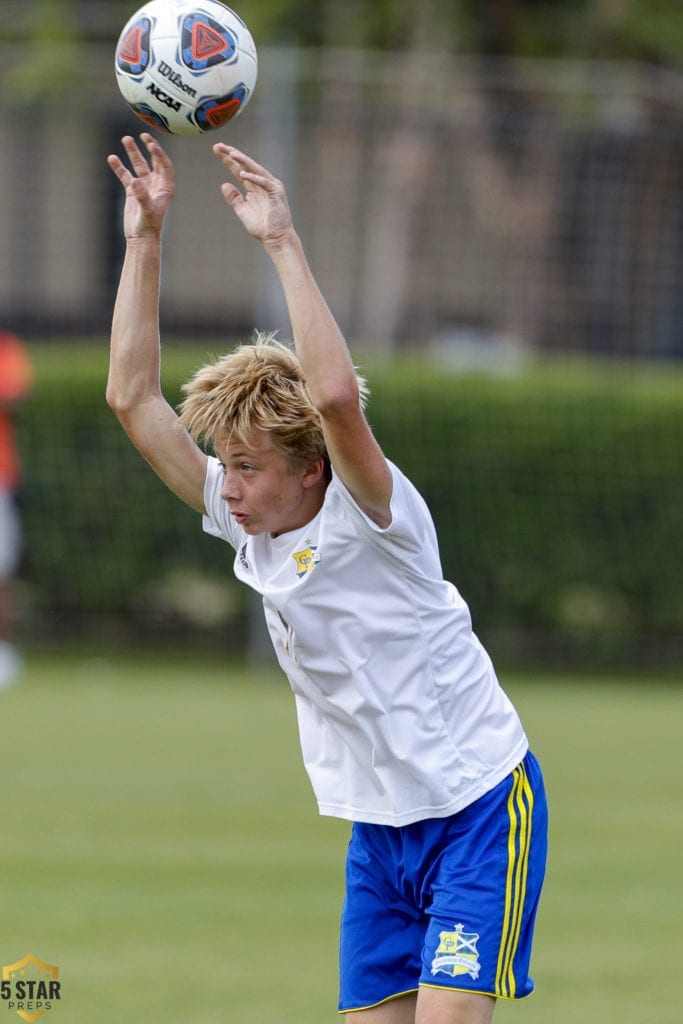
x: 557, y: 496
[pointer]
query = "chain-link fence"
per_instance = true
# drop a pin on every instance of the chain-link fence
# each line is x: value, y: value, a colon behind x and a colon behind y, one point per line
x: 484, y: 208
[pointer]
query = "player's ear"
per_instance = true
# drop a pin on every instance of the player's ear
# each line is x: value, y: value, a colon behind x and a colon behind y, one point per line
x: 313, y: 473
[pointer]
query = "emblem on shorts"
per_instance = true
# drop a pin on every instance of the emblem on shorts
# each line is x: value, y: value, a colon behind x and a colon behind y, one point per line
x: 457, y: 953
x: 306, y: 560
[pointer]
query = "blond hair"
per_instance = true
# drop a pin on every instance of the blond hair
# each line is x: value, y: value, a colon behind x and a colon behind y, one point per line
x: 258, y: 386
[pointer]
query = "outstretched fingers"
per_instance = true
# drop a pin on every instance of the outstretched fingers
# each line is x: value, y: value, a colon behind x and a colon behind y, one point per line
x: 231, y: 194
x: 158, y: 162
x: 243, y: 161
x: 136, y: 158
x: 245, y: 168
x: 226, y: 155
x: 161, y: 162
x: 148, y: 181
x: 119, y: 169
x: 268, y: 184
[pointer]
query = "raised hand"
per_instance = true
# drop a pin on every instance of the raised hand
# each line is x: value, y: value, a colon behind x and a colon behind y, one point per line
x: 149, y: 186
x: 262, y: 204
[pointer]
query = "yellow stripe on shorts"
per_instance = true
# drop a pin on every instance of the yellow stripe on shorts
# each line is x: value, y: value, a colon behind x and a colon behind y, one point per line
x: 520, y: 807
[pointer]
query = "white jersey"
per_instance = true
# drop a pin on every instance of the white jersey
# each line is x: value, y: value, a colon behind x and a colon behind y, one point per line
x: 400, y: 713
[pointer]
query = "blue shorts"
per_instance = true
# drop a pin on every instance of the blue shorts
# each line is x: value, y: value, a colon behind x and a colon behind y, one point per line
x: 446, y: 902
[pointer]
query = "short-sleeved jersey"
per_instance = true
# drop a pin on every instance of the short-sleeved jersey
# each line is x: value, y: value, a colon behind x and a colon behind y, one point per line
x: 401, y: 716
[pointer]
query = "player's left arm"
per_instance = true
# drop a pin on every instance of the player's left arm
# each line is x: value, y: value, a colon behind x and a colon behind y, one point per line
x: 325, y: 359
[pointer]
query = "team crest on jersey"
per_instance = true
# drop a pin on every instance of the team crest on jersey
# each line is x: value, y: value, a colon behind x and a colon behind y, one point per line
x: 306, y: 560
x: 457, y: 953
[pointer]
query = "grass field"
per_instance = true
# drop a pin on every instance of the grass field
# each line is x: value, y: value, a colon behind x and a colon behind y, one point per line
x: 160, y: 844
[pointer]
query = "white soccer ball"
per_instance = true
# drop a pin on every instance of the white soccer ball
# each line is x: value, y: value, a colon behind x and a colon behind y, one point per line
x: 186, y: 66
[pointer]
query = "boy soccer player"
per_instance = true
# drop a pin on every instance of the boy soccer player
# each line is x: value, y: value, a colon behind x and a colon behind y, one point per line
x: 405, y: 730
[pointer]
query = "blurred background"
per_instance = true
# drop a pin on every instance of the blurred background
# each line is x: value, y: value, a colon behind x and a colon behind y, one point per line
x: 490, y: 194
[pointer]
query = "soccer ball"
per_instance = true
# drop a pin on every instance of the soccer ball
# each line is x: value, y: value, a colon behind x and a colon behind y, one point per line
x: 186, y: 66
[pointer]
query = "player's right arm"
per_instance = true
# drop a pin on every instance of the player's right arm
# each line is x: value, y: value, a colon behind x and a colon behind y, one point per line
x: 134, y: 387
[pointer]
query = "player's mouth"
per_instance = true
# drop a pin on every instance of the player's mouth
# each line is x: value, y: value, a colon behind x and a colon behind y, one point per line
x: 240, y: 517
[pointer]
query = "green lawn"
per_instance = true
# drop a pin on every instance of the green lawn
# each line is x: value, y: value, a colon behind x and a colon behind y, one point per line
x: 160, y: 844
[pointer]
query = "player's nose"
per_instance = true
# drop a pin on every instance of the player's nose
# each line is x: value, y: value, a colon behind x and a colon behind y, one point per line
x: 229, y: 488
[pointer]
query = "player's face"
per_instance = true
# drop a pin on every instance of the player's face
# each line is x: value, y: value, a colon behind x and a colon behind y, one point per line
x: 265, y: 494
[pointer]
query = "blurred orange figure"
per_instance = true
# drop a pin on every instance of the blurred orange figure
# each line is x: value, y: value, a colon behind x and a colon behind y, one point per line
x: 16, y: 379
